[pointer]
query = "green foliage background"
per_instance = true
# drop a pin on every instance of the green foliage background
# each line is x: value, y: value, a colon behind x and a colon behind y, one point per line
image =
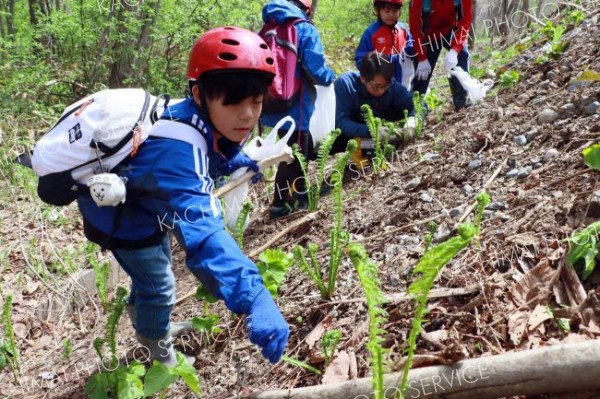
x: 70, y: 51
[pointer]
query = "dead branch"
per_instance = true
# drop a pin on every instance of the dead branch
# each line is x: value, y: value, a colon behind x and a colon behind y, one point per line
x: 555, y: 369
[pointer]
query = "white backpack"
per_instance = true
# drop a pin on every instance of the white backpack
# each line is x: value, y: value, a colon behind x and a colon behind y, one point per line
x: 92, y: 136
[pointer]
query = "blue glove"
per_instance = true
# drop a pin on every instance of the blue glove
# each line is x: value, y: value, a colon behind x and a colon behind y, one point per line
x: 241, y: 160
x: 266, y: 327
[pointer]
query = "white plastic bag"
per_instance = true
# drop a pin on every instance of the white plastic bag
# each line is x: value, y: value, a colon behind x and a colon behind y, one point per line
x: 475, y: 89
x: 257, y: 149
x: 322, y: 121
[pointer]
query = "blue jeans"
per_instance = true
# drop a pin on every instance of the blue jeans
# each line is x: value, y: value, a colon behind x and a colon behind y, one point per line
x: 152, y: 286
x: 433, y: 49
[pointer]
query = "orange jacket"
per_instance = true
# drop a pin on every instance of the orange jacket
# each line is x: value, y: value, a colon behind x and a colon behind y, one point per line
x: 441, y: 22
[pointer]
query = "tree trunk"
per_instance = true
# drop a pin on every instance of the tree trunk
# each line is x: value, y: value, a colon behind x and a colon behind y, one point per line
x: 554, y: 369
x: 145, y: 39
x: 122, y: 66
x: 32, y: 13
x: 315, y: 3
x: 473, y: 29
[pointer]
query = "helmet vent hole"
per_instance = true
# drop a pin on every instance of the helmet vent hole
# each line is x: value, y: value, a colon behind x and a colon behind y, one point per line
x: 270, y: 61
x: 228, y: 56
x: 264, y: 46
x: 231, y: 42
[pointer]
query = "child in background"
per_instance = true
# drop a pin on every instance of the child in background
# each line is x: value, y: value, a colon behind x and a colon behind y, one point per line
x: 169, y: 184
x: 290, y: 190
x: 389, y: 37
x: 437, y: 24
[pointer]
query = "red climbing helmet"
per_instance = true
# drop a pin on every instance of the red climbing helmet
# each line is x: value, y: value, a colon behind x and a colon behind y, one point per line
x: 230, y: 48
x: 398, y: 2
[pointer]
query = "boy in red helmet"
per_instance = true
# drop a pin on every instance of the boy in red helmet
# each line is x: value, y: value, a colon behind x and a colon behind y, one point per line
x: 437, y: 24
x: 388, y: 37
x: 170, y: 184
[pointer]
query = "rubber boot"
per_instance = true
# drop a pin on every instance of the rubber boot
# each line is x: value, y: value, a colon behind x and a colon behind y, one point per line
x: 160, y: 349
x: 177, y: 328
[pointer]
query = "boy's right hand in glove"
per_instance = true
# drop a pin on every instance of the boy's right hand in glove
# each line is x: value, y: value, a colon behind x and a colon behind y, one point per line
x: 266, y: 327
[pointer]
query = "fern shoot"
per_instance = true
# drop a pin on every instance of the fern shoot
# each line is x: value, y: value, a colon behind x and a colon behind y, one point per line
x: 313, y: 269
x: 322, y: 156
x: 368, y: 275
x: 428, y: 268
x: 116, y: 310
x: 337, y: 237
x: 101, y: 272
x: 9, y: 348
x: 304, y: 167
x: 240, y: 223
x: 374, y: 124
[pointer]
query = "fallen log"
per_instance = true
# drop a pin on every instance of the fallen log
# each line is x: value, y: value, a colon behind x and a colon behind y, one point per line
x: 555, y: 369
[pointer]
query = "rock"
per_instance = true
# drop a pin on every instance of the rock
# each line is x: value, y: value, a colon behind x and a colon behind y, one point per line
x: 536, y: 165
x: 520, y: 140
x: 488, y: 214
x: 523, y: 98
x: 456, y: 212
x: 544, y: 85
x: 535, y: 160
x: 568, y: 110
x: 592, y: 109
x: 502, y: 216
x: 551, y: 75
x: 497, y: 206
x: 411, y: 185
x: 524, y: 172
x: 430, y: 156
x: 475, y: 164
x: 550, y: 154
x: 547, y: 116
x: 442, y: 233
x: 557, y: 194
x: 467, y: 189
x: 425, y: 197
x: 512, y: 163
x: 512, y: 173
x: 533, y: 134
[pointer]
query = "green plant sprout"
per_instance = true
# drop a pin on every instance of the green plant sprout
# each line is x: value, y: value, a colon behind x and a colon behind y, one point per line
x: 298, y: 363
x: 202, y: 294
x: 329, y: 344
x: 374, y: 124
x: 124, y: 382
x: 101, y: 274
x: 312, y: 268
x: 273, y: 265
x: 313, y: 189
x: 584, y: 246
x: 509, y: 78
x: 67, y: 348
x: 240, y: 223
x: 428, y: 269
x: 338, y: 238
x: 159, y: 377
x: 9, y: 352
x: 428, y: 239
x: 591, y: 156
x: 369, y: 280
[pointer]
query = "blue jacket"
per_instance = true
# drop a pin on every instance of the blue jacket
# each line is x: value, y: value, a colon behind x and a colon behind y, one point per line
x: 310, y: 52
x: 350, y: 94
x: 169, y: 188
x: 397, y: 43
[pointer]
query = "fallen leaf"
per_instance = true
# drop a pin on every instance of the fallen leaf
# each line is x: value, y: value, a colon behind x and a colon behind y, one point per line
x: 535, y: 286
x: 353, y: 365
x: 317, y: 332
x: 539, y: 315
x: 20, y: 330
x: 525, y: 240
x: 338, y: 370
x: 517, y: 325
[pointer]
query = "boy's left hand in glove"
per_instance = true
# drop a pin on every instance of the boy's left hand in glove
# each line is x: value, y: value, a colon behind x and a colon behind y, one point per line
x: 266, y: 327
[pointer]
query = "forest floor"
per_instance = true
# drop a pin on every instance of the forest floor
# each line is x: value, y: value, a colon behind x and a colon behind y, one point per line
x: 511, y: 278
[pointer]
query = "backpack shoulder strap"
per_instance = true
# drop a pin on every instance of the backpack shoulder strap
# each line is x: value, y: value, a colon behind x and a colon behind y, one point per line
x: 426, y: 6
x: 179, y: 130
